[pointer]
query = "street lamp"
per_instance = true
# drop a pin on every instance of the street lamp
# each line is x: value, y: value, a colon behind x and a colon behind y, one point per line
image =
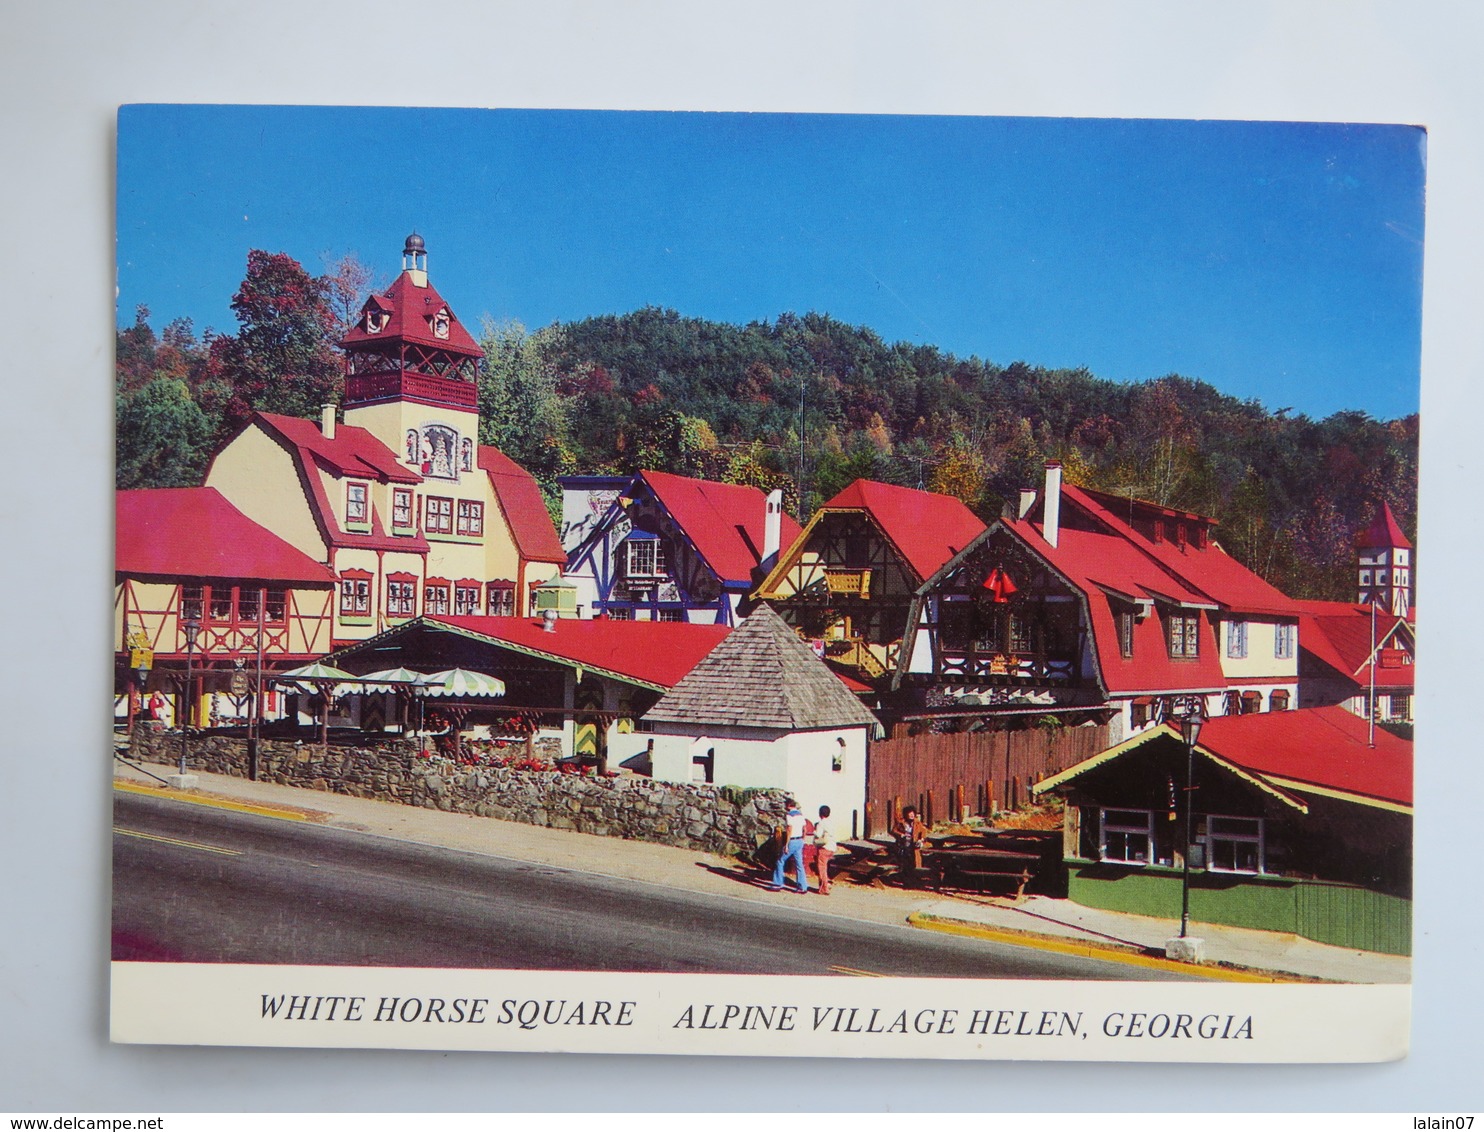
x: 1190, y: 731
x: 191, y: 626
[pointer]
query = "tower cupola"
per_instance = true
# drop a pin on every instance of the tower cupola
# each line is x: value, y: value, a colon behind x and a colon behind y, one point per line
x: 415, y: 259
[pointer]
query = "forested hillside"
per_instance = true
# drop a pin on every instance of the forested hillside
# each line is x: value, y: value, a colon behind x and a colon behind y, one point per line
x: 804, y: 403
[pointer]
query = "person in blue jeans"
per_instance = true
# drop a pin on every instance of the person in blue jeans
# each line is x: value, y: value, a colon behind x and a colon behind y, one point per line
x: 793, y: 849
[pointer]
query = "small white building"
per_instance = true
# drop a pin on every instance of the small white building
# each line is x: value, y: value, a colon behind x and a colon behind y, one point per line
x: 762, y: 710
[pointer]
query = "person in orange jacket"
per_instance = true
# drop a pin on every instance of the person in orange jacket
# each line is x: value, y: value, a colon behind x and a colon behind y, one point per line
x: 911, y: 836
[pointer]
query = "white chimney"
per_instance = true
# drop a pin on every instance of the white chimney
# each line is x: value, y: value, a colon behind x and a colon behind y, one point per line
x: 327, y: 421
x: 773, y: 528
x: 549, y: 620
x: 1027, y: 501
x: 1051, y: 503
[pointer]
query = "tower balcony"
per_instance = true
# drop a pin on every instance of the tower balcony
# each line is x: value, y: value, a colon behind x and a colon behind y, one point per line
x: 405, y: 385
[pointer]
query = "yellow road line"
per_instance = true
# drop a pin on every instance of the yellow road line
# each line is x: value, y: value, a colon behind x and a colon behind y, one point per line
x: 219, y: 803
x: 1089, y: 951
x: 853, y: 971
x: 176, y: 842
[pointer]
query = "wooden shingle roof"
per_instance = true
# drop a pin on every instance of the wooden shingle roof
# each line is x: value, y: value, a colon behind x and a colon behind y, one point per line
x: 762, y: 675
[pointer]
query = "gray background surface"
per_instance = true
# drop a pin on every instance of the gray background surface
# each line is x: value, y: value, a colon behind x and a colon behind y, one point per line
x: 64, y: 69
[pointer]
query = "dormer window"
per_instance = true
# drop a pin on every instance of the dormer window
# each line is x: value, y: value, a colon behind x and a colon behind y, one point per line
x: 440, y: 324
x: 375, y: 321
x: 357, y: 507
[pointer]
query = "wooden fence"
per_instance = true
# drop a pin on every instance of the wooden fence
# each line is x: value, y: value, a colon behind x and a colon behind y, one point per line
x: 954, y: 776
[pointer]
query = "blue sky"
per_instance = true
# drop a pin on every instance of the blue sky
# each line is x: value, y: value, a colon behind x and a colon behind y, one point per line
x: 1281, y: 262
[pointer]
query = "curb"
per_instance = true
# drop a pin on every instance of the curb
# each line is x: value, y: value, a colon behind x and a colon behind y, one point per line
x: 1090, y: 950
x: 218, y: 803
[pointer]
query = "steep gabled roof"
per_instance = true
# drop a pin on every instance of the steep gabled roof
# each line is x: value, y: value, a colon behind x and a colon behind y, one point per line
x: 193, y: 532
x: 1339, y: 634
x: 524, y: 507
x: 353, y: 452
x: 1207, y: 569
x: 410, y: 308
x: 926, y: 528
x: 762, y: 675
x: 1383, y: 531
x: 1102, y: 563
x: 723, y: 521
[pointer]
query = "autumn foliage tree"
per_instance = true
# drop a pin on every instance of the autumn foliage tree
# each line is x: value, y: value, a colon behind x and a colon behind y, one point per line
x: 282, y: 358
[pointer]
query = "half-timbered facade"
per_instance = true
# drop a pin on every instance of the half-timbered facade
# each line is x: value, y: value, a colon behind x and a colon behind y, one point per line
x: 848, y: 581
x: 400, y: 500
x: 187, y: 555
x: 1073, y: 607
x: 673, y: 548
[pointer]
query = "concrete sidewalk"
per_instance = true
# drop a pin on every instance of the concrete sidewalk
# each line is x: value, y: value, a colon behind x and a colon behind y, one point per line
x: 1035, y: 921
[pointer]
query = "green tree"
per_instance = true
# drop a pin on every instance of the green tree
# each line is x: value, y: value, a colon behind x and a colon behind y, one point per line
x: 522, y: 411
x: 163, y: 437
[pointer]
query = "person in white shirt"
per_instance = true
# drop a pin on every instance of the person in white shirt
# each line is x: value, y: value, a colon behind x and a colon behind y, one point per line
x: 824, y: 849
x: 793, y: 849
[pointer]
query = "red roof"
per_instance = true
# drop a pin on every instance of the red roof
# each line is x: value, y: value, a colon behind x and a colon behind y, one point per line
x: 926, y: 528
x: 353, y: 452
x: 525, y: 508
x: 1339, y: 634
x: 1383, y: 531
x: 412, y: 308
x: 1209, y: 569
x: 192, y: 532
x: 1326, y: 747
x: 723, y: 521
x: 1099, y: 561
x: 654, y: 652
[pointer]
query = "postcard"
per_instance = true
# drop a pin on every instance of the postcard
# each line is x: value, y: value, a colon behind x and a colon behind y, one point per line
x: 848, y: 586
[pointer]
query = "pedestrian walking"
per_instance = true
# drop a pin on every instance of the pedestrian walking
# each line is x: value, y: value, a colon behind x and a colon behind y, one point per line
x: 824, y: 849
x: 795, y: 830
x: 911, y: 836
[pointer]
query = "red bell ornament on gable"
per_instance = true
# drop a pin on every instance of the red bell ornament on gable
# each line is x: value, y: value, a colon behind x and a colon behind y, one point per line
x: 999, y: 584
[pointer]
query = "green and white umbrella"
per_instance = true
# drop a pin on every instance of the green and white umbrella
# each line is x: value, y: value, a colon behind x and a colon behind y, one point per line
x: 322, y: 679
x: 460, y: 683
x: 392, y: 680
x: 456, y: 684
x: 313, y: 677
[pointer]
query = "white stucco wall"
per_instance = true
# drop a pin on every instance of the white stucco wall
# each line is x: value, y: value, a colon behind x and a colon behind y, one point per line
x: 802, y: 763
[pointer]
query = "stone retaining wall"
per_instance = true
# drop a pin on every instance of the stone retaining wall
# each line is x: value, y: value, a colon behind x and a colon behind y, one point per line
x: 713, y: 819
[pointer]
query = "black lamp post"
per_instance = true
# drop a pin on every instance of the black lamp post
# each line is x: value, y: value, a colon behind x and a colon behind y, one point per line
x: 1190, y: 731
x: 191, y: 626
x: 141, y: 673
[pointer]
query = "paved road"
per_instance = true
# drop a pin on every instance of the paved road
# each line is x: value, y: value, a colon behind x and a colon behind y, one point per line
x: 199, y: 884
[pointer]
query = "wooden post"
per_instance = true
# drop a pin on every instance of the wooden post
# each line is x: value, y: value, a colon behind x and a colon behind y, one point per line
x: 867, y: 831
x: 927, y: 814
x: 989, y: 798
